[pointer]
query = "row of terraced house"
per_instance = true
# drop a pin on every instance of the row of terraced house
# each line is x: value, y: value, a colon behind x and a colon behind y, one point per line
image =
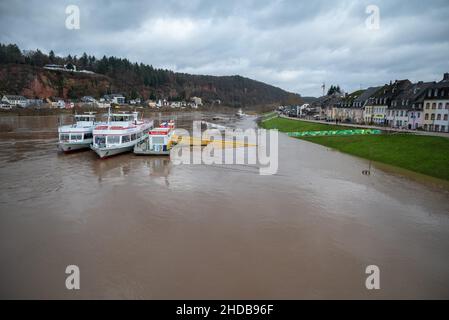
x: 400, y: 104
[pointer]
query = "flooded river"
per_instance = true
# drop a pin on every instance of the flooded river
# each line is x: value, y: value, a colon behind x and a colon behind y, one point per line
x: 141, y: 227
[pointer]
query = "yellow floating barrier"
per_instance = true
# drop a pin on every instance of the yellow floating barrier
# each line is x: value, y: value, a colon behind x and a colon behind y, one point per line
x: 195, y: 141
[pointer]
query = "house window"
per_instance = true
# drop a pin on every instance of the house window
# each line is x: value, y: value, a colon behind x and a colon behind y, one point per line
x: 426, y: 117
x: 440, y: 105
x: 419, y: 114
x: 434, y: 106
x: 425, y: 127
x: 447, y: 105
x: 445, y: 117
x: 432, y: 116
x: 437, y: 128
x: 438, y: 116
x: 443, y: 128
x: 427, y: 105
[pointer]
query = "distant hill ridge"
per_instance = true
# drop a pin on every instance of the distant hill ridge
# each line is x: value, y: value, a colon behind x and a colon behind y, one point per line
x: 23, y: 73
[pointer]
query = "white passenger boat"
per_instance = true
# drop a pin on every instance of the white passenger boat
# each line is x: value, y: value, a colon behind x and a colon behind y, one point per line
x: 210, y: 125
x: 158, y: 141
x: 78, y: 135
x: 240, y: 113
x: 120, y: 134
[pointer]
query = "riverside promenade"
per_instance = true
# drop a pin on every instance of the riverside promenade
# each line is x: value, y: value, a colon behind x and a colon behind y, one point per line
x: 388, y: 129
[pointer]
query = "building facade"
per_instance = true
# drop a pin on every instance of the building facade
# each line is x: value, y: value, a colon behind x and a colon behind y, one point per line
x: 115, y: 98
x: 436, y: 106
x: 406, y: 108
x: 15, y: 100
x: 380, y: 102
x: 352, y: 107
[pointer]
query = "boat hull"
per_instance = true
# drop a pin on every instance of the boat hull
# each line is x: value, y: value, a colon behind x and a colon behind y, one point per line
x: 109, y: 152
x: 151, y: 153
x: 70, y: 146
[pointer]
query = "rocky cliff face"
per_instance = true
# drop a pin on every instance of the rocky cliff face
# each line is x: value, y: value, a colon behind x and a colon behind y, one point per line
x: 36, y: 82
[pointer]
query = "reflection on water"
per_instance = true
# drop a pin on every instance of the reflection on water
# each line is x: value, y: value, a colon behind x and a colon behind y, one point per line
x: 140, y: 227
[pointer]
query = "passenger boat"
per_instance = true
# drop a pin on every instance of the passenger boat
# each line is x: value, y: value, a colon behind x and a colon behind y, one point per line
x: 240, y: 113
x: 120, y: 134
x: 158, y: 141
x: 78, y: 135
x: 210, y: 125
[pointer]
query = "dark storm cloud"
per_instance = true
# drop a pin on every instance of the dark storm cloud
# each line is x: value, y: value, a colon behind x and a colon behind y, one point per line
x: 296, y: 45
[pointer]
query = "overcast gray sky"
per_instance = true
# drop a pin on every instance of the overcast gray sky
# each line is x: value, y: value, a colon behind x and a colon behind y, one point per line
x: 295, y: 45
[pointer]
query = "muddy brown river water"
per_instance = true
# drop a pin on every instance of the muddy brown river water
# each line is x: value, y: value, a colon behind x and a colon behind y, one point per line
x: 141, y: 227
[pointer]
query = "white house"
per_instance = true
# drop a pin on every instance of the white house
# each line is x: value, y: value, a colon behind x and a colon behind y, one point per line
x: 5, y: 105
x: 197, y: 101
x: 115, y: 98
x: 381, y: 101
x: 397, y: 117
x: 415, y: 119
x: 406, y: 108
x: 136, y: 101
x: 436, y: 106
x: 19, y: 101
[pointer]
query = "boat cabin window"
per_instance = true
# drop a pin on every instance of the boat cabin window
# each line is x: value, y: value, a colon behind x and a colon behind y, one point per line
x: 113, y: 139
x: 133, y: 137
x: 88, y: 135
x: 64, y: 137
x: 158, y: 140
x: 125, y: 139
x: 83, y: 118
x: 122, y: 118
x: 100, y: 140
x: 76, y: 136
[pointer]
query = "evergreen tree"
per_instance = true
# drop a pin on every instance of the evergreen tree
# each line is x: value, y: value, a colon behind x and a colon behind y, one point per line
x: 333, y: 89
x: 51, y: 56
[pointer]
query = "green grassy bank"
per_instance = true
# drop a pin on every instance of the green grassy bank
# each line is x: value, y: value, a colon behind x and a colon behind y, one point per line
x: 424, y: 154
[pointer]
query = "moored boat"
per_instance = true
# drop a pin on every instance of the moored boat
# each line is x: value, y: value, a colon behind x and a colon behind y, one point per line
x: 78, y: 135
x: 240, y: 113
x: 158, y: 141
x: 120, y: 134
